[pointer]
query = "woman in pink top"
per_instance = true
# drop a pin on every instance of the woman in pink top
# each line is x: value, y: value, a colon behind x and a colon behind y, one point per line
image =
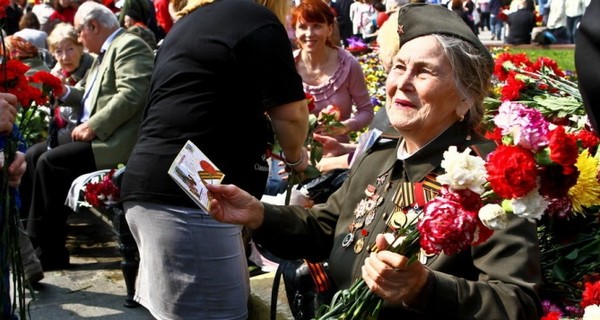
x: 330, y: 74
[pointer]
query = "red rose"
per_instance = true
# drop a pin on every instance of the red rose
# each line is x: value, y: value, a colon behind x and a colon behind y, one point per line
x: 512, y: 171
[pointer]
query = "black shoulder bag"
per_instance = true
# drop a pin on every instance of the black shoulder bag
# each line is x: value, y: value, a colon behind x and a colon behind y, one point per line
x: 307, y: 287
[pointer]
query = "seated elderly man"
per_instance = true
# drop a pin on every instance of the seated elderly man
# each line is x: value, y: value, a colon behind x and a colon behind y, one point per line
x: 111, y: 101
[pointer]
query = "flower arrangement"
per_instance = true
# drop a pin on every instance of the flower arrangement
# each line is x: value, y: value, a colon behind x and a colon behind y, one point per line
x: 31, y: 93
x: 375, y: 77
x: 536, y: 106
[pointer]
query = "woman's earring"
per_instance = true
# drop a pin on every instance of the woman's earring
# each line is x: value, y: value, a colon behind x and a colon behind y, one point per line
x: 461, y: 117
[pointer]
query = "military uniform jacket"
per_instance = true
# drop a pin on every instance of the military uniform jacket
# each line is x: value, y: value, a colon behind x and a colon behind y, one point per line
x: 495, y: 280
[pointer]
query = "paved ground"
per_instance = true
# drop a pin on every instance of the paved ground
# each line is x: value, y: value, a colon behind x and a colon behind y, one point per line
x: 94, y: 287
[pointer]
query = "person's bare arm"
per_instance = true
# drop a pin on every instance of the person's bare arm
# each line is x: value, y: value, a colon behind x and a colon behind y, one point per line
x: 290, y: 123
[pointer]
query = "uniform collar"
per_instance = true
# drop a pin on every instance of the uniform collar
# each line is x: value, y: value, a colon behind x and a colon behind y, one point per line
x: 428, y: 158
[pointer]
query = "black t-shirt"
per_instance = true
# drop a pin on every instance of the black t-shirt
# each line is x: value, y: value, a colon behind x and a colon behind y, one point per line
x: 217, y: 72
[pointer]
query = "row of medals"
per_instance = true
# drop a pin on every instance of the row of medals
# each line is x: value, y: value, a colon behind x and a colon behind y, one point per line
x: 364, y: 215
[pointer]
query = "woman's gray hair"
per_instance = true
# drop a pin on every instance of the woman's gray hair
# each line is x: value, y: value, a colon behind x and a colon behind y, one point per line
x: 472, y: 74
x: 91, y: 10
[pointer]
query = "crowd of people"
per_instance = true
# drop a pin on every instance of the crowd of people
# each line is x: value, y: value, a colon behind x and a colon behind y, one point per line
x: 142, y: 78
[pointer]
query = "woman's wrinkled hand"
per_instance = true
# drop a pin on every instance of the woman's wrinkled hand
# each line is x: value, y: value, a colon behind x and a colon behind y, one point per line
x: 230, y: 204
x: 389, y: 275
x: 331, y: 146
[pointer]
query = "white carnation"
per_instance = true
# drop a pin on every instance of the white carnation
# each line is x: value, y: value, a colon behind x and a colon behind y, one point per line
x: 463, y: 170
x: 531, y: 206
x: 493, y: 216
x: 591, y: 312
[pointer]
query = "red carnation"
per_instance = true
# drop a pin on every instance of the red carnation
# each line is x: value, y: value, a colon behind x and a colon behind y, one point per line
x: 468, y: 199
x: 554, y: 315
x: 512, y: 89
x: 49, y: 82
x: 512, y: 171
x: 591, y: 294
x: 588, y: 139
x: 563, y: 148
x: 446, y: 226
x: 495, y: 135
x: 555, y: 182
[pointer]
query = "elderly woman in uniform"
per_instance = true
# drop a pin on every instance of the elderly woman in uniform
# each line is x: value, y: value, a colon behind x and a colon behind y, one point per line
x: 435, y: 90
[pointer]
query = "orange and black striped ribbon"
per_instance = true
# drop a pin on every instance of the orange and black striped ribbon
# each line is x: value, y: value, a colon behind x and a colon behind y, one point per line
x: 319, y: 276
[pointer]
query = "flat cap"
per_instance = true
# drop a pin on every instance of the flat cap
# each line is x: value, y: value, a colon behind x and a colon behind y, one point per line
x: 420, y: 19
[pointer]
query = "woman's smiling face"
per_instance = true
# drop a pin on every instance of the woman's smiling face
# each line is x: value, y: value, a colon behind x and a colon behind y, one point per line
x: 311, y: 35
x: 422, y: 97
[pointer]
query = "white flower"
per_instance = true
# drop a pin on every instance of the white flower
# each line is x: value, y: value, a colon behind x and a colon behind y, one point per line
x: 463, y: 170
x: 531, y: 206
x: 591, y: 312
x: 493, y: 216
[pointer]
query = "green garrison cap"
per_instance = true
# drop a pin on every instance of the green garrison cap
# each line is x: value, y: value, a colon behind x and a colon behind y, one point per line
x: 420, y: 19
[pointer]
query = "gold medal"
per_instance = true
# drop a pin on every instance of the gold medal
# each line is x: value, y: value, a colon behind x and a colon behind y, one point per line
x: 397, y: 220
x: 359, y: 245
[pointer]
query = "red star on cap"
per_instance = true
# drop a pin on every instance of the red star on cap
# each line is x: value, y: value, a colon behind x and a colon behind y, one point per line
x: 401, y: 29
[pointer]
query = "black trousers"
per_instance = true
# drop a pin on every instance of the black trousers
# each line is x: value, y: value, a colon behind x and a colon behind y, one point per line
x: 45, y: 186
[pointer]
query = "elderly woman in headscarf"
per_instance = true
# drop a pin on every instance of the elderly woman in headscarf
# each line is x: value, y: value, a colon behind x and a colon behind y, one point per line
x: 435, y: 90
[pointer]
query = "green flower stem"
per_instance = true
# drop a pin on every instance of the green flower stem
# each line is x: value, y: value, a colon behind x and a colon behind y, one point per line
x: 9, y: 239
x: 359, y: 302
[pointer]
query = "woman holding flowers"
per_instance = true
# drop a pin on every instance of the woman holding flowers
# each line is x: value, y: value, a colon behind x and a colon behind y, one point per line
x: 331, y: 75
x: 366, y: 229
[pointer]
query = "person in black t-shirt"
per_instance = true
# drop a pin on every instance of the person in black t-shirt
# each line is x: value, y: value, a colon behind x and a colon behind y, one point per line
x: 223, y: 77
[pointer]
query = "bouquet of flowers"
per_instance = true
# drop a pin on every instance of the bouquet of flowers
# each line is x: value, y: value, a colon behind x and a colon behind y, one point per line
x: 103, y: 193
